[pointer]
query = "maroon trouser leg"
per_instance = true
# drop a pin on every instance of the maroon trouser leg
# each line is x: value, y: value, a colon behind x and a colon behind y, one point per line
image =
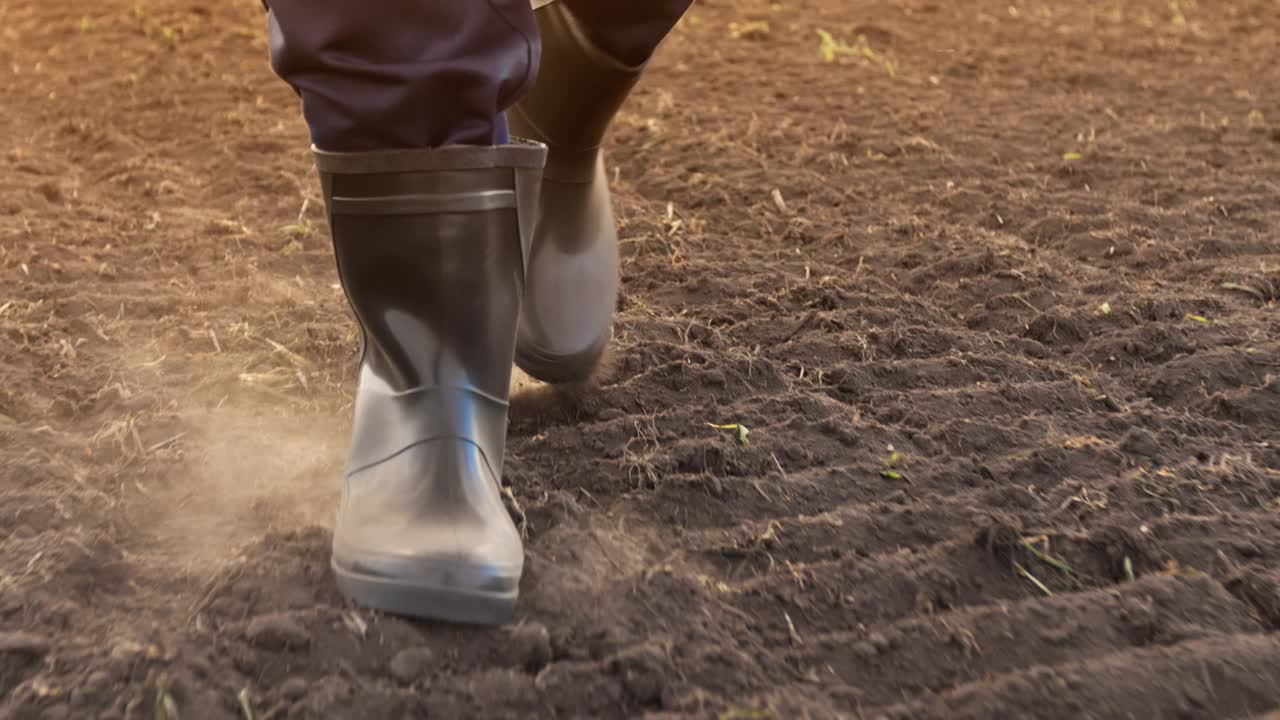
x: 388, y: 74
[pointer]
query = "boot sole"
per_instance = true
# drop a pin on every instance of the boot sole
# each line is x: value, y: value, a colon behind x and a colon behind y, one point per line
x: 400, y: 597
x: 559, y: 369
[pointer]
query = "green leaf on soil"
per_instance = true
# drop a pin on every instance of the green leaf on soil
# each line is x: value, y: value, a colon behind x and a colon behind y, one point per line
x: 246, y: 705
x: 1072, y: 156
x: 297, y: 230
x: 894, y: 458
x: 1034, y: 581
x: 1198, y: 318
x: 1105, y: 309
x: 166, y: 707
x: 830, y: 49
x: 1047, y: 558
x: 749, y: 30
x: 1128, y: 569
x: 739, y: 428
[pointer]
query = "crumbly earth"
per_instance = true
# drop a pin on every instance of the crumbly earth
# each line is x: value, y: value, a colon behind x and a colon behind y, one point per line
x: 994, y: 291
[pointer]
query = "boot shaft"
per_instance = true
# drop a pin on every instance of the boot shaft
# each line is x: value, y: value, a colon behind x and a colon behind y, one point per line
x: 579, y: 89
x: 431, y: 248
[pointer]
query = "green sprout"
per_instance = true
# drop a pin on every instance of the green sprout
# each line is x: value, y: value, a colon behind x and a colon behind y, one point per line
x: 830, y: 49
x: 886, y: 471
x: 741, y: 430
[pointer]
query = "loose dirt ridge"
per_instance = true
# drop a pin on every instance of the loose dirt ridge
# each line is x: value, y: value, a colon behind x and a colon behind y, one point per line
x: 1005, y: 340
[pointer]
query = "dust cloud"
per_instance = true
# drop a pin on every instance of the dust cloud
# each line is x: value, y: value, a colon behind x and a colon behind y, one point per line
x: 252, y: 469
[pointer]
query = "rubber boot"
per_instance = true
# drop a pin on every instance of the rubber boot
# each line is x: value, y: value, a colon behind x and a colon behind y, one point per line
x: 430, y: 247
x: 572, y: 284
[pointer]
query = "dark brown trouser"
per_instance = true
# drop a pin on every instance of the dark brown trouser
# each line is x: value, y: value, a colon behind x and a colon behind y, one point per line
x: 392, y: 74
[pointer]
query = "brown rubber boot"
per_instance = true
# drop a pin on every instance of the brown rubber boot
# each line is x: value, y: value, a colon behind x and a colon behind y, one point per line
x: 572, y: 284
x: 430, y: 247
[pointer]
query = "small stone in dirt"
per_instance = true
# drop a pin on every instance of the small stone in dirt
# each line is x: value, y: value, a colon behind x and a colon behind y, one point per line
x: 98, y: 680
x: 846, y: 695
x: 128, y: 650
x: 10, y: 603
x: 50, y: 191
x: 293, y: 688
x: 277, y: 631
x: 865, y: 649
x: 716, y: 486
x: 531, y: 646
x: 1140, y: 442
x: 410, y: 665
x: 878, y: 641
x: 23, y: 643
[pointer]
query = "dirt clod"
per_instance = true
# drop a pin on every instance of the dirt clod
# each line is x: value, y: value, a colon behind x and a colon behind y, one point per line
x: 865, y: 650
x: 277, y: 631
x: 879, y: 641
x: 411, y: 665
x: 293, y: 688
x: 531, y: 646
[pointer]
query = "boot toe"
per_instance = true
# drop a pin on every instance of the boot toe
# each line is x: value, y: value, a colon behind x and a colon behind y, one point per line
x: 464, y: 571
x: 452, y: 584
x: 408, y: 542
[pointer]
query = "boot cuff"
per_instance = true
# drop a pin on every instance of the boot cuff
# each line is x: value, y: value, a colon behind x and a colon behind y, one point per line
x: 519, y: 154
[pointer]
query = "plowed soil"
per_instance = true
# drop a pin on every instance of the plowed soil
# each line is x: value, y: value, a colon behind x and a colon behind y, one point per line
x: 993, y: 289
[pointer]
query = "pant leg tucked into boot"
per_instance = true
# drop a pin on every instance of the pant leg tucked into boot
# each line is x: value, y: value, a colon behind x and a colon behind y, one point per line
x: 431, y: 247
